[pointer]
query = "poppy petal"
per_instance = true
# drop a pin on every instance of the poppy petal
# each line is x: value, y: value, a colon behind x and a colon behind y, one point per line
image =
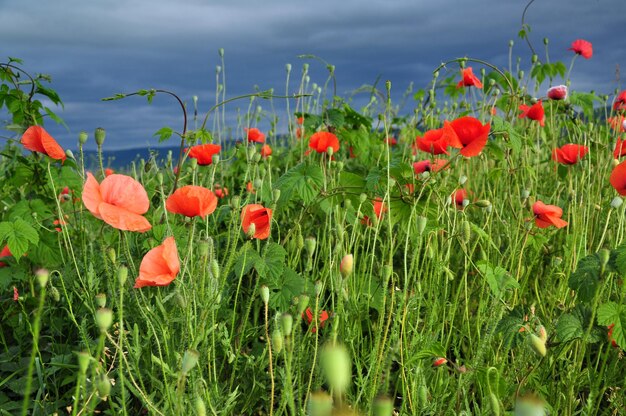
x: 125, y: 192
x: 123, y: 219
x: 91, y: 195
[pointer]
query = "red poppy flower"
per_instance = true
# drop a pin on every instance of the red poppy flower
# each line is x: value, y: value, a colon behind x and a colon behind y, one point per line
x: 437, y: 141
x: 203, y: 153
x: 36, y: 139
x: 547, y: 215
x: 108, y: 172
x: 557, y: 93
x: 379, y: 209
x: 60, y: 224
x: 322, y: 140
x: 391, y: 141
x: 458, y: 197
x: 582, y: 47
x: 469, y: 79
x: 192, y: 201
x: 250, y: 187
x: 472, y: 134
x: 299, y: 133
x: 119, y: 200
x: 308, y: 316
x: 620, y: 149
x: 569, y: 154
x: 258, y: 215
x: 220, y: 192
x: 16, y: 294
x: 620, y: 101
x: 533, y: 112
x: 429, y: 166
x: 266, y: 150
x: 617, y: 123
x: 618, y: 178
x: 159, y: 266
x: 300, y: 120
x: 255, y: 135
x: 439, y: 362
x: 5, y: 253
x: 610, y: 336
x: 64, y: 196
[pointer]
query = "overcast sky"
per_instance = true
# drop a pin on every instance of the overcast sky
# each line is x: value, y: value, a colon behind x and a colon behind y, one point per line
x: 93, y: 49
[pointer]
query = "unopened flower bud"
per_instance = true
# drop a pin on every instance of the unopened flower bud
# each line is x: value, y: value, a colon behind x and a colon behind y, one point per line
x: 538, y: 345
x: 276, y: 195
x: 383, y: 406
x: 100, y: 135
x: 69, y: 154
x: 616, y: 202
x: 251, y: 230
x: 439, y: 361
x: 122, y: 275
x: 483, y: 203
x: 83, y: 362
x: 190, y: 360
x: 604, y: 256
x: 303, y: 302
x: 265, y: 294
x: 543, y: 334
x: 112, y: 255
x: 215, y: 267
x: 337, y: 367
x: 103, y: 386
x: 54, y: 293
x: 199, y: 406
x: 362, y: 198
x: 42, y: 276
x: 277, y: 341
x: 421, y: 224
x: 310, y: 243
x: 286, y: 323
x: 320, y: 404
x: 330, y: 151
x: 347, y: 265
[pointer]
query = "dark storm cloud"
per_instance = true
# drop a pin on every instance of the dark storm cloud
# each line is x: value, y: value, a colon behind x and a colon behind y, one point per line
x: 95, y: 49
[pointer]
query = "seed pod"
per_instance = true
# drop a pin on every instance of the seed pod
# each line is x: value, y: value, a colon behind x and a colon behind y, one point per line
x: 265, y: 294
x: 538, y: 345
x: 199, y: 406
x: 286, y: 323
x: 466, y: 232
x: 277, y: 341
x: 83, y: 362
x: 337, y: 367
x: 104, y: 319
x: 495, y: 404
x: 103, y: 385
x: 82, y: 137
x: 190, y: 360
x: 101, y: 300
x: 100, y: 135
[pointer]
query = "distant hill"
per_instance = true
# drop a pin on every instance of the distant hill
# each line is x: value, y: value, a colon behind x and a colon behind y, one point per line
x: 118, y: 159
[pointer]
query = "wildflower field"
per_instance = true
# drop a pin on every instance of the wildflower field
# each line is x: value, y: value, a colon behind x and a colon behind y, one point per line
x: 462, y: 252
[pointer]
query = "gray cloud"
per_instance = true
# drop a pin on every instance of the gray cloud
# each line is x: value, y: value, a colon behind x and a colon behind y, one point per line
x: 94, y: 49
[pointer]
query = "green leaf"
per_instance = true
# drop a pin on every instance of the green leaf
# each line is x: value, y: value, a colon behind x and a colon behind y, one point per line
x: 620, y: 259
x: 306, y: 180
x: 509, y: 326
x: 244, y: 262
x: 273, y: 262
x: 569, y: 327
x: 164, y: 133
x: 584, y: 280
x: 288, y: 286
x: 613, y: 314
x: 498, y: 278
x: 17, y: 236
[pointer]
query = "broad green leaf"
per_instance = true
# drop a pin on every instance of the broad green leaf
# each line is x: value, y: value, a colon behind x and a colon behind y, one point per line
x: 306, y: 180
x: 584, y: 280
x: 613, y: 314
x: 498, y: 278
x: 569, y: 327
x: 164, y: 133
x: 273, y: 262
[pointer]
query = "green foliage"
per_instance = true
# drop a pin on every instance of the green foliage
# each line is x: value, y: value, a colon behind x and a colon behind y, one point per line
x: 614, y: 314
x: 302, y: 181
x: 18, y: 235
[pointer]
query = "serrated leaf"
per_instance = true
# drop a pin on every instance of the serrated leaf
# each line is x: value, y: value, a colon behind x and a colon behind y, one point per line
x: 498, y: 278
x: 569, y: 327
x: 164, y: 133
x: 288, y: 286
x: 613, y: 314
x: 273, y: 262
x: 245, y: 261
x: 584, y: 280
x: 509, y: 327
x: 306, y: 180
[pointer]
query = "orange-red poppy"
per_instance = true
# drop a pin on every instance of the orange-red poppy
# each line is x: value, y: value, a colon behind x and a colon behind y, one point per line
x: 620, y: 149
x: 64, y: 196
x: 618, y: 178
x: 60, y: 223
x: 258, y: 215
x: 617, y: 123
x: 322, y: 140
x: 469, y: 79
x: 255, y: 135
x: 391, y: 141
x: 220, y: 191
x: 5, y: 253
x: 472, y: 134
x: 620, y: 101
x: 547, y: 215
x: 569, y: 154
x: 533, y: 112
x: 582, y: 47
x: 610, y: 335
x: 266, y: 150
x: 119, y: 200
x: 308, y: 317
x: 429, y: 166
x: 379, y: 209
x: 36, y: 139
x: 437, y: 141
x: 557, y: 93
x: 108, y: 172
x: 203, y: 153
x: 250, y: 187
x: 159, y: 266
x: 300, y: 120
x: 192, y: 201
x: 458, y: 197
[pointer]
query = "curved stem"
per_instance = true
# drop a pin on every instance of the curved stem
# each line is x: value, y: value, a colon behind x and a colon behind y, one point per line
x: 480, y: 61
x: 524, y: 24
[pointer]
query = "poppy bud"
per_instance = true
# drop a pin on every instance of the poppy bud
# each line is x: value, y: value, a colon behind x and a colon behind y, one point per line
x: 557, y: 93
x: 422, y: 394
x: 235, y: 202
x: 495, y: 403
x: 215, y: 269
x: 616, y: 202
x: 525, y: 194
x: 305, y: 67
x: 69, y: 154
x: 42, y: 276
x: 511, y: 43
x: 383, y: 406
x: 303, y: 302
x: 104, y: 319
x: 286, y: 323
x: 203, y: 249
x: 82, y: 137
x: 320, y: 404
x: 54, y: 293
x: 276, y: 195
x: 534, y: 58
x: 220, y: 51
x: 421, y: 224
x: 439, y: 361
x: 258, y: 183
x: 83, y: 362
x: 347, y: 265
x: 362, y: 198
x: 538, y: 345
x: 101, y: 300
x: 387, y: 271
x: 330, y: 151
x: 265, y: 294
x: 466, y: 231
x: 277, y: 341
x: 160, y: 178
x: 103, y: 385
x: 122, y: 275
x: 543, y: 335
x: 309, y: 244
x: 190, y: 359
x: 112, y: 255
x: 520, y: 74
x: 337, y: 367
x: 318, y: 288
x: 199, y: 407
x: 604, y: 256
x: 483, y: 203
x: 100, y: 135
